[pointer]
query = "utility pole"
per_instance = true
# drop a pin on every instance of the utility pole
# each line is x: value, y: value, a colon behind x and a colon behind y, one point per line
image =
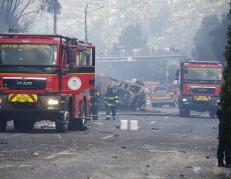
x: 86, y: 12
x: 55, y: 21
x: 85, y: 20
x: 167, y: 74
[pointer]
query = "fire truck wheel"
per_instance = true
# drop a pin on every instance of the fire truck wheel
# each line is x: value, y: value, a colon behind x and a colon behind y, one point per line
x: 184, y: 112
x: 62, y: 124
x: 81, y: 121
x: 23, y: 125
x: 172, y: 104
x: 3, y: 123
x: 181, y: 113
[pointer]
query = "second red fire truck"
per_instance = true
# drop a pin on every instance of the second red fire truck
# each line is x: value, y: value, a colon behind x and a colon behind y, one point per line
x: 199, y: 86
x: 45, y: 77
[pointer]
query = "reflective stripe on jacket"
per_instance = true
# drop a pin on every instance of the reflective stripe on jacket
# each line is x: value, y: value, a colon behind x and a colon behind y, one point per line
x: 111, y: 100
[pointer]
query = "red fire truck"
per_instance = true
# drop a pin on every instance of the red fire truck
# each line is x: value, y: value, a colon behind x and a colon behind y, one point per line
x: 45, y: 77
x: 199, y: 86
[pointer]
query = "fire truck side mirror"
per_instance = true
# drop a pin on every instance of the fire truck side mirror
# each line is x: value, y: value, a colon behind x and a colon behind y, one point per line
x: 177, y: 75
x: 185, y: 71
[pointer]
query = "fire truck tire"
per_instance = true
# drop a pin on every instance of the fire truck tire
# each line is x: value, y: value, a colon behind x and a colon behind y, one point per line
x: 187, y: 113
x: 23, y: 125
x: 62, y: 124
x: 181, y: 113
x: 212, y: 113
x: 72, y: 124
x: 172, y: 104
x: 3, y: 123
x: 81, y: 121
x: 184, y: 112
x: 81, y: 125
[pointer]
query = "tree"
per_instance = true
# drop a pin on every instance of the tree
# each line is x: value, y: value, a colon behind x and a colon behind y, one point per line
x: 131, y: 37
x: 52, y: 7
x: 219, y: 38
x: 202, y: 39
x: 14, y: 14
x: 226, y: 89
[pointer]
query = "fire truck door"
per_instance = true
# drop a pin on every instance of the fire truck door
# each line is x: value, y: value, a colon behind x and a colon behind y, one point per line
x: 80, y: 71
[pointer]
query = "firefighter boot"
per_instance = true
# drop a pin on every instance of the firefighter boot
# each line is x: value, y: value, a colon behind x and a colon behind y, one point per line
x: 108, y: 117
x: 220, y: 164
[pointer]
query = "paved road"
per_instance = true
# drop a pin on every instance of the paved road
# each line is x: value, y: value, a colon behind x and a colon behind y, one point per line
x: 164, y: 146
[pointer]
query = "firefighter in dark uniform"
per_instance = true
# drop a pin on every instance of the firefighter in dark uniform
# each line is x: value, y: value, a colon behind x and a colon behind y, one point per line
x: 111, y: 101
x: 223, y: 150
x: 94, y: 103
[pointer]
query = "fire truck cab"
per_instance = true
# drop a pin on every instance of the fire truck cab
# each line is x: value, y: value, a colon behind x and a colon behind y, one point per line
x: 199, y: 86
x: 45, y: 77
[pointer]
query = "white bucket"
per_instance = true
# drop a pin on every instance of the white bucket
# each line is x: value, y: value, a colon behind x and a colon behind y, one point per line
x: 133, y: 125
x: 123, y: 124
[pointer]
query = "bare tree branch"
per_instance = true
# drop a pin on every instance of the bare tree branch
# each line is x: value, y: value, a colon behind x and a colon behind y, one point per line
x: 13, y: 13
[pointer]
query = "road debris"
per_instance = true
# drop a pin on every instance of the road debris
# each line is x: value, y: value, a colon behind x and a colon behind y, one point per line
x: 182, y: 151
x: 59, y: 136
x: 133, y: 94
x: 3, y: 141
x: 36, y: 154
x: 155, y: 129
x: 194, y: 169
x: 181, y: 175
x: 107, y: 137
x: 185, y: 131
x: 153, y: 122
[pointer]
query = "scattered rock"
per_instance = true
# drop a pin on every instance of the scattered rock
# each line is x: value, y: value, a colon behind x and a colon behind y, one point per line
x: 105, y: 132
x: 181, y: 175
x: 146, y: 174
x: 123, y: 147
x: 155, y: 129
x: 182, y: 151
x: 153, y: 122
x: 207, y: 157
x: 194, y: 169
x: 36, y: 154
x: 3, y: 141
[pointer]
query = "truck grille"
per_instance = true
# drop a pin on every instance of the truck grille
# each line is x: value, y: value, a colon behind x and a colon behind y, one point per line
x: 202, y: 90
x: 11, y: 83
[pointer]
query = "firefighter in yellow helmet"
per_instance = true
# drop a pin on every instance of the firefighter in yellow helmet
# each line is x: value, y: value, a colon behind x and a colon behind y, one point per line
x: 111, y: 101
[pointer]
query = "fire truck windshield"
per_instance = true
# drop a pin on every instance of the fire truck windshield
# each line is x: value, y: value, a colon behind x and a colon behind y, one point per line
x: 27, y: 54
x: 202, y: 75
